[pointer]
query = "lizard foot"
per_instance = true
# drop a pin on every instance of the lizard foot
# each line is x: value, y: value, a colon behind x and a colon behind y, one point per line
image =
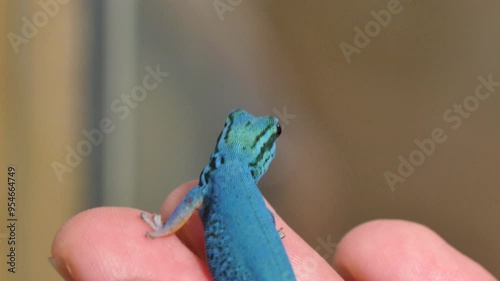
x: 155, y: 224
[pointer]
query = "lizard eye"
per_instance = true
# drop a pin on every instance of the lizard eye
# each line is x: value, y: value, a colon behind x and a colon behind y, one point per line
x: 278, y: 129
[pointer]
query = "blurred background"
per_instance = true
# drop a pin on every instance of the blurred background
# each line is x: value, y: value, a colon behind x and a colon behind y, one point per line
x: 118, y: 102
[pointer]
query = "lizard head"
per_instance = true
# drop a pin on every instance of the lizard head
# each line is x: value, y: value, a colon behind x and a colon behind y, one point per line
x: 250, y: 139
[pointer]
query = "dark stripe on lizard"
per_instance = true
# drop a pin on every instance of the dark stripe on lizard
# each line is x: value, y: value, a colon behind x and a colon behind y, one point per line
x: 228, y: 128
x: 265, y: 148
x: 257, y: 138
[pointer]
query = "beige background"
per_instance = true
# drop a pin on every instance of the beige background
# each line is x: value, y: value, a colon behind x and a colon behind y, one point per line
x: 352, y: 120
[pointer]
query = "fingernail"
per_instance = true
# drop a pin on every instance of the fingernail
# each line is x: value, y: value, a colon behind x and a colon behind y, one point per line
x: 61, y: 267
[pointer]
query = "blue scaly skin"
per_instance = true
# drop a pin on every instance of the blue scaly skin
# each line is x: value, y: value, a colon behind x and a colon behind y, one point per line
x: 241, y: 239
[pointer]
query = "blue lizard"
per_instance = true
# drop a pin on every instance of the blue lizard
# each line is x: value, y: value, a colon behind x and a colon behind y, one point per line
x: 241, y: 239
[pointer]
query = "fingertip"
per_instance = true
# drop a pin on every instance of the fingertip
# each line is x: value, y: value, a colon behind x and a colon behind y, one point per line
x: 401, y: 250
x: 111, y: 242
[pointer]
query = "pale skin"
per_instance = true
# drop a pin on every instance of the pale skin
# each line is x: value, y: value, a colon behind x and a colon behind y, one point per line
x: 108, y: 243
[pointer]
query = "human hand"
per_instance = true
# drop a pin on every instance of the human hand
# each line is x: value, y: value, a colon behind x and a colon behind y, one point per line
x: 108, y: 243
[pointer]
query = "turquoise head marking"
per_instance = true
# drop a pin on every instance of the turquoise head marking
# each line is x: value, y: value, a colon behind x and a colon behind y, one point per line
x: 247, y: 139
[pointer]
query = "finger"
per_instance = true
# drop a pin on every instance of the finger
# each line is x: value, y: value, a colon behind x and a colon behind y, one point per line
x: 109, y: 244
x: 401, y: 250
x: 306, y: 263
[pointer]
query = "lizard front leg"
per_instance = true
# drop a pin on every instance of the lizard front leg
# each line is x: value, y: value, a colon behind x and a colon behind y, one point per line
x: 189, y: 204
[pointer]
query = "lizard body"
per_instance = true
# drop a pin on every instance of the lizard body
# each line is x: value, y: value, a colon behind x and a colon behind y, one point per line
x: 241, y: 239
